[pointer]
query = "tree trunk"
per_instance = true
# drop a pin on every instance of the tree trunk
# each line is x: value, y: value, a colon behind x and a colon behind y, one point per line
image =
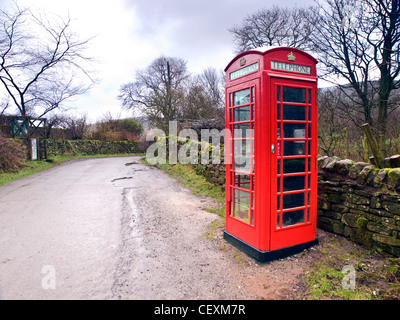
x: 378, y: 157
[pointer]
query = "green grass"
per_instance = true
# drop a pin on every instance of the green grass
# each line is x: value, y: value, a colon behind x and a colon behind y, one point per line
x: 32, y: 167
x: 325, y: 283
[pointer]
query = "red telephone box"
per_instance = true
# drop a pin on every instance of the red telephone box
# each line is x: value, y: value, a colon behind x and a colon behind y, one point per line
x: 271, y: 171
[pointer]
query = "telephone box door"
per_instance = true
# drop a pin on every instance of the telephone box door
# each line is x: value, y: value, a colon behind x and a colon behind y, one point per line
x: 293, y: 162
x: 241, y: 115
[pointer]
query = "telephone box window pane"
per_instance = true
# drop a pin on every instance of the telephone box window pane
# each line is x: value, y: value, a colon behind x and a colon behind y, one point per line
x: 294, y: 148
x: 291, y: 94
x: 293, y: 112
x: 241, y: 97
x: 292, y: 217
x: 242, y: 131
x: 294, y: 165
x: 242, y: 205
x: 294, y: 130
x: 242, y: 155
x: 293, y: 183
x: 242, y: 181
x: 309, y: 96
x: 278, y: 93
x: 293, y: 200
x: 242, y: 114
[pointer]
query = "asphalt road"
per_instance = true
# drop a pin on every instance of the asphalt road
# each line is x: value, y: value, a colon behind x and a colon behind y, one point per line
x: 108, y: 228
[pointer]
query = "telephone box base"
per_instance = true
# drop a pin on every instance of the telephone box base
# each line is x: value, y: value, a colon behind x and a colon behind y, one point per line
x: 266, y: 256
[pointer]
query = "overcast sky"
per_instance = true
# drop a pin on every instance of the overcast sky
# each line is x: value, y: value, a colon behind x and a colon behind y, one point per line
x: 130, y: 34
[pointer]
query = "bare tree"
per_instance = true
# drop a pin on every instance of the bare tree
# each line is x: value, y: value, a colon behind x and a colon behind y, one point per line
x: 158, y: 90
x: 359, y: 41
x: 4, y: 107
x: 275, y: 26
x: 40, y: 61
x: 205, y: 97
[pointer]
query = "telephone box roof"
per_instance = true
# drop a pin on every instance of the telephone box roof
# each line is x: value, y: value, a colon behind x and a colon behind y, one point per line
x: 268, y: 49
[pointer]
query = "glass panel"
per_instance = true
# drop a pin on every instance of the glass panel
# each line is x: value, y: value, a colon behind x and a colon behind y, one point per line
x: 278, y: 111
x: 294, y: 130
x: 242, y: 114
x: 252, y: 94
x: 292, y: 217
x: 291, y: 94
x: 278, y: 185
x: 278, y: 202
x: 242, y: 205
x: 294, y: 148
x: 242, y: 131
x: 241, y: 97
x: 292, y: 112
x: 309, y: 96
x: 278, y: 220
x: 278, y: 93
x: 294, y: 165
x: 242, y: 180
x: 293, y: 200
x: 293, y: 183
x: 242, y: 155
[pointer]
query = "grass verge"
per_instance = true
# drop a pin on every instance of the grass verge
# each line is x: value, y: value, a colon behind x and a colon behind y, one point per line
x: 375, y: 276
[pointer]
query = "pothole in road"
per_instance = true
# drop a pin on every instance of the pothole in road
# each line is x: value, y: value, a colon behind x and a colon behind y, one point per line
x: 123, y: 178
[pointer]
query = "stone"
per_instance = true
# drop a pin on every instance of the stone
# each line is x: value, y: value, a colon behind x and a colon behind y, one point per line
x: 363, y: 175
x: 356, y: 199
x: 334, y: 198
x: 393, y: 177
x: 376, y: 203
x: 379, y: 178
x: 350, y: 219
x: 375, y: 227
x: 331, y: 163
x: 339, y: 208
x: 391, y: 207
x: 371, y: 176
x: 391, y: 241
x: 356, y: 169
x: 343, y: 166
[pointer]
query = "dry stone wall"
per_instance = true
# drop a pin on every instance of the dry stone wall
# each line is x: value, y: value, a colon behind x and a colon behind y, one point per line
x: 360, y: 202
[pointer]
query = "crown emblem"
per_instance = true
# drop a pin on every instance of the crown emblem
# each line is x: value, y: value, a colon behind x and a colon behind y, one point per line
x: 291, y: 57
x: 242, y: 62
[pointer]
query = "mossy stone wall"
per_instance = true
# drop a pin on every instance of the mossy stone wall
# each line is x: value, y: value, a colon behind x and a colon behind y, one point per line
x: 360, y: 202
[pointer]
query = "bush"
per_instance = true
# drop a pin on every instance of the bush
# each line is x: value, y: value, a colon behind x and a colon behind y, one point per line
x: 12, y: 154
